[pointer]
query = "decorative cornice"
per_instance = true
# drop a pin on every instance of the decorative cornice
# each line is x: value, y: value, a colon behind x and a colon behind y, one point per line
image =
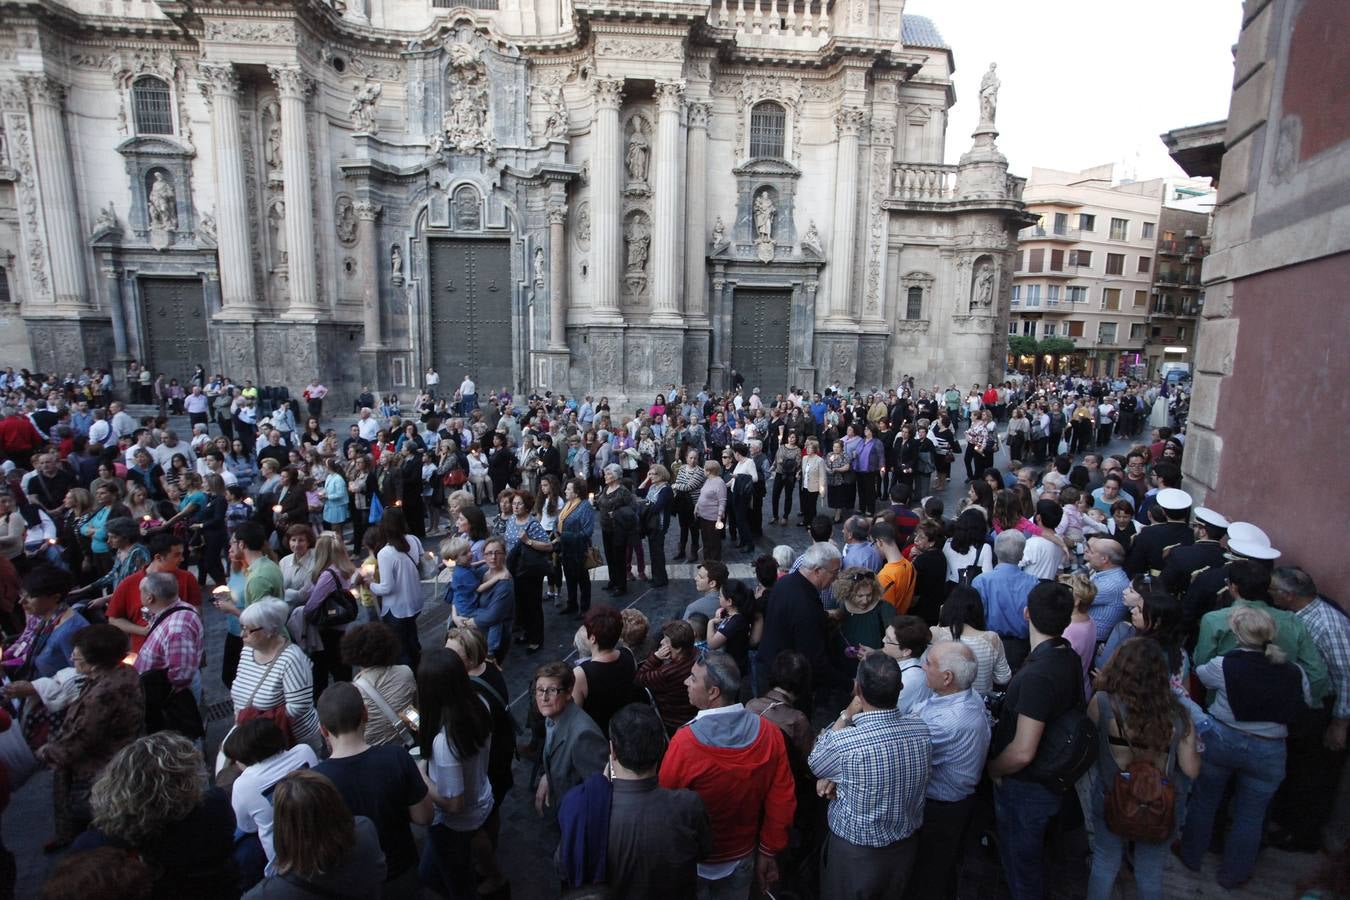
x: 608, y: 93
x: 291, y: 81
x: 669, y: 96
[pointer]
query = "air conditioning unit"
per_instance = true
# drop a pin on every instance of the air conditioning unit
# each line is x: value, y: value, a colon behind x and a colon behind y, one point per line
x: 1191, y: 234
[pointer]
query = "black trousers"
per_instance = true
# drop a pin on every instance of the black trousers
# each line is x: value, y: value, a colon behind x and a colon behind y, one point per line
x: 530, y: 607
x: 782, y: 487
x: 656, y: 557
x: 689, y: 530
x: 867, y: 492
x: 616, y: 558
x: 328, y: 661
x: 712, y: 539
x: 578, y: 579
x: 941, y: 845
x: 809, y: 499
x: 744, y: 507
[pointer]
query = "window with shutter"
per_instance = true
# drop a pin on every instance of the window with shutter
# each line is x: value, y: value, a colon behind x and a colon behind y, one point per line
x: 152, y: 106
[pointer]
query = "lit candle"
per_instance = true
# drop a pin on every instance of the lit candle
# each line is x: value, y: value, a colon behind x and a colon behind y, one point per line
x: 398, y: 502
x: 145, y: 518
x: 248, y: 501
x: 276, y: 509
x: 720, y: 526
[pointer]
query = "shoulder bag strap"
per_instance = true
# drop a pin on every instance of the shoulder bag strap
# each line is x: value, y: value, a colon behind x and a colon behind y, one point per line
x: 151, y: 629
x: 383, y: 706
x: 263, y: 680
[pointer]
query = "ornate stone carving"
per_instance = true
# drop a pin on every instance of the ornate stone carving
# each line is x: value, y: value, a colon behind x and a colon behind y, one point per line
x: 272, y: 140
x: 396, y: 264
x: 849, y: 121
x: 764, y: 211
x: 557, y: 213
x: 362, y: 108
x: 666, y: 363
x: 107, y: 220
x: 699, y: 114
x: 465, y: 119
x: 206, y: 228
x: 23, y: 161
x: 608, y: 93
x: 605, y: 365
x: 44, y: 89
x: 982, y: 287
x: 365, y: 210
x: 636, y: 48
x: 876, y: 234
x: 282, y: 33
x: 276, y: 220
x: 555, y: 118
x: 291, y: 81
x: 217, y: 78
x: 669, y: 96
x: 468, y: 209
x: 637, y: 238
x: 539, y: 268
x: 811, y: 240
x: 162, y: 207
x: 582, y: 228
x: 344, y: 219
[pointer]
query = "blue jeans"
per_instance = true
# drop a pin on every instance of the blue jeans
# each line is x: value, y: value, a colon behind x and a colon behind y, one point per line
x: 411, y: 644
x: 1258, y: 765
x: 1107, y: 849
x: 1022, y: 810
x: 735, y: 886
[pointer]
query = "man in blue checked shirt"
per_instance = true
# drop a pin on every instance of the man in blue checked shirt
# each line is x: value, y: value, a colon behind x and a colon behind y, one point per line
x: 873, y: 765
x: 1004, y: 592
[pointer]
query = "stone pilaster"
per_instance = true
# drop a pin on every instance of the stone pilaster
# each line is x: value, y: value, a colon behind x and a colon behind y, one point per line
x: 368, y: 246
x: 112, y: 289
x: 56, y: 180
x: 606, y: 238
x: 849, y: 122
x: 696, y: 211
x: 557, y: 277
x: 294, y: 87
x: 238, y: 293
x: 665, y: 210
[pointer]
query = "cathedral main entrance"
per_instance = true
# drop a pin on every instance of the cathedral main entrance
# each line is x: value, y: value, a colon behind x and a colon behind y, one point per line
x: 173, y: 314
x: 760, y: 323
x: 469, y: 295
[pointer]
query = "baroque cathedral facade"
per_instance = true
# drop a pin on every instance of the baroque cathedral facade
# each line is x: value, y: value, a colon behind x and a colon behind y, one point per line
x: 602, y: 196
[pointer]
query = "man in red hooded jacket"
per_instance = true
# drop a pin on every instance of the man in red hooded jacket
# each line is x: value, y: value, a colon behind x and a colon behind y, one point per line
x: 738, y: 765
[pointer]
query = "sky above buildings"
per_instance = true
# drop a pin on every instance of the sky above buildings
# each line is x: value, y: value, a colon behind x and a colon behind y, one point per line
x: 1086, y: 82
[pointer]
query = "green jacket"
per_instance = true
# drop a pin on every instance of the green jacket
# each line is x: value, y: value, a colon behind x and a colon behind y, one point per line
x: 1291, y: 636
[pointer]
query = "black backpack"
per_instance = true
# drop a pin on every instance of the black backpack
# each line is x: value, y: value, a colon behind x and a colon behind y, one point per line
x: 1067, y: 750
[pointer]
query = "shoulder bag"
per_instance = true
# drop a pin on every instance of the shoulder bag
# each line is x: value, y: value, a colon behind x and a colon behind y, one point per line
x: 338, y: 608
x: 404, y: 731
x: 277, y: 713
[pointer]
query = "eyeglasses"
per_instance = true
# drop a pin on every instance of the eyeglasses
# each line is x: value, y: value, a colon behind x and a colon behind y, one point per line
x: 250, y: 629
x: 547, y: 692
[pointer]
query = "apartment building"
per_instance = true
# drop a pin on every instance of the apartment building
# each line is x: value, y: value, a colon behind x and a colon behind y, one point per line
x: 1177, y: 298
x: 1085, y: 271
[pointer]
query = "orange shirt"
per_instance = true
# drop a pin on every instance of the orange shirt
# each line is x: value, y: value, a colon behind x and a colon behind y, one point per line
x: 897, y: 584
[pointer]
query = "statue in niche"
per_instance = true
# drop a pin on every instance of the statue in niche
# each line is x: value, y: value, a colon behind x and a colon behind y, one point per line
x: 811, y: 240
x: 764, y: 212
x: 639, y: 153
x: 639, y: 238
x: 273, y: 149
x: 362, y: 108
x: 396, y: 262
x: 555, y: 122
x: 984, y: 286
x: 719, y: 234
x: 989, y: 86
x: 466, y: 114
x: 345, y: 221
x: 539, y: 267
x: 163, y: 205
x: 277, y: 218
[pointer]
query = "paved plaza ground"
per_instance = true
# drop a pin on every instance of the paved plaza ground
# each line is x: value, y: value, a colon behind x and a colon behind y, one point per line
x: 528, y: 842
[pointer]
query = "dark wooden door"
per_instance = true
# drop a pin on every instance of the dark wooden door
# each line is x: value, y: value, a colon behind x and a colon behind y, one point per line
x: 174, y: 315
x: 470, y: 292
x: 760, y: 323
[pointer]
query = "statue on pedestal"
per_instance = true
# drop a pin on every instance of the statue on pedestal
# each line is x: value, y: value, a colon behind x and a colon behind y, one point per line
x: 163, y: 208
x: 989, y: 86
x: 639, y: 152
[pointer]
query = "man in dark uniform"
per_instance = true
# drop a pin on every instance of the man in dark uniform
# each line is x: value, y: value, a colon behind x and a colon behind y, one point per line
x: 1179, y: 563
x: 1209, y: 587
x: 1148, y: 546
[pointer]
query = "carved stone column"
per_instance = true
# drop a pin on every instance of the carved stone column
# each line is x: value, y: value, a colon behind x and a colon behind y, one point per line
x: 294, y: 87
x: 370, y: 274
x: 112, y: 289
x: 557, y: 277
x: 666, y: 206
x: 56, y: 179
x: 221, y: 84
x: 606, y: 233
x: 696, y: 211
x: 849, y: 122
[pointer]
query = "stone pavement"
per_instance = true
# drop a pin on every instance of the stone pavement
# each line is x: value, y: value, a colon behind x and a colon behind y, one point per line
x: 528, y: 842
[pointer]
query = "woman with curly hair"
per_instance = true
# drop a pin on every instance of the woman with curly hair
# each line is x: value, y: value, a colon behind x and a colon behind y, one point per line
x: 153, y: 800
x: 374, y: 648
x: 1138, y: 718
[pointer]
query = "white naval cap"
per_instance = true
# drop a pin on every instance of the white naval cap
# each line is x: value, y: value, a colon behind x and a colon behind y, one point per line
x: 1210, y: 517
x: 1173, y: 499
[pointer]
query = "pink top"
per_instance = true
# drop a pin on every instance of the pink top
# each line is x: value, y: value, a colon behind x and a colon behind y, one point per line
x: 1082, y: 636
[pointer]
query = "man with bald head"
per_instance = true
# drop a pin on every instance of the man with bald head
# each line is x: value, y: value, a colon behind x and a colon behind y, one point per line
x: 1104, y: 557
x: 960, y: 736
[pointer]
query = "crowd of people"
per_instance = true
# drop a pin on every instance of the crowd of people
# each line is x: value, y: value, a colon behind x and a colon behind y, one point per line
x: 1074, y: 643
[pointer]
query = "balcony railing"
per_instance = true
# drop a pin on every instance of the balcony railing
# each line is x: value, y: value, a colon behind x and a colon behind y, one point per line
x: 801, y: 24
x: 1181, y: 279
x: 1178, y: 310
x: 923, y: 181
x: 1037, y: 233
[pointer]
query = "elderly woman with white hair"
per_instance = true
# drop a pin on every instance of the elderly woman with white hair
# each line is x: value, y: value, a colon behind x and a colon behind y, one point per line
x: 616, y: 507
x: 275, y: 678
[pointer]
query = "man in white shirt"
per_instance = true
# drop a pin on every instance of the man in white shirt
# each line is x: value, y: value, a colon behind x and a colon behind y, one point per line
x: 170, y: 447
x: 468, y: 394
x: 123, y: 423
x: 314, y: 394
x: 433, y: 378
x: 367, y: 425
x: 100, y: 432
x: 755, y: 402
x: 259, y: 750
x: 1044, y: 555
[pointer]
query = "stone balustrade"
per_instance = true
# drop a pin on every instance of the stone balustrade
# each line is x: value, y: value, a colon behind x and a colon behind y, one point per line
x: 804, y: 22
x: 923, y: 181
